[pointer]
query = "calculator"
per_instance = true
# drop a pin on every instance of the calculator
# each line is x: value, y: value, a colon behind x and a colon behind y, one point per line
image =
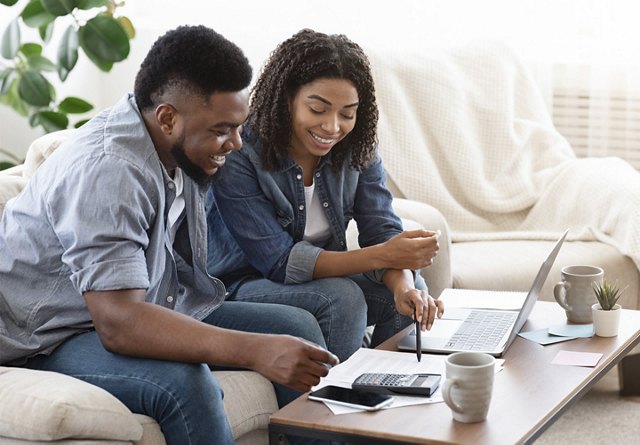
x: 407, y: 384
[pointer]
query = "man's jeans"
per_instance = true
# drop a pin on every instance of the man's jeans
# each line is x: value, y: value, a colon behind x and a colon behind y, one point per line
x: 344, y: 307
x: 185, y: 399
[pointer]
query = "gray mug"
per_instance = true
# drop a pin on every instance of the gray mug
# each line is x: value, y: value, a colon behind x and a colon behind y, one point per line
x: 574, y: 291
x: 468, y: 385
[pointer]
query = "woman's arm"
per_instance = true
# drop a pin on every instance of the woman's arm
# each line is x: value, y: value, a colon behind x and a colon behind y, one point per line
x: 413, y: 249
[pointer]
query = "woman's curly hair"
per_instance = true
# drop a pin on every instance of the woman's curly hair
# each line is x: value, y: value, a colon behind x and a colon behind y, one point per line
x: 306, y: 56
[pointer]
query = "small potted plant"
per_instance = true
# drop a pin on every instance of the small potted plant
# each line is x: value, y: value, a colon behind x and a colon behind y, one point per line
x: 606, y: 312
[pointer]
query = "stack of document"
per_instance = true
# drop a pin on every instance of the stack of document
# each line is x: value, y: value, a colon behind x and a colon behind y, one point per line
x: 375, y: 360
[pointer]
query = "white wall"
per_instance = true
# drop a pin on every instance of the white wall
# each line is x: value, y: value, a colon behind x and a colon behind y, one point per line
x: 543, y: 29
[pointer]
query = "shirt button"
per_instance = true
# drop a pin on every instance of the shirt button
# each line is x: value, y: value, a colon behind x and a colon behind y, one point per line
x: 169, y: 299
x: 301, y: 207
x: 171, y: 185
x: 298, y: 176
x: 325, y: 204
x: 317, y: 174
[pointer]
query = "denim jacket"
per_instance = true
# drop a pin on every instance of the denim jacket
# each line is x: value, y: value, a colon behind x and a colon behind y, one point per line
x: 264, y: 211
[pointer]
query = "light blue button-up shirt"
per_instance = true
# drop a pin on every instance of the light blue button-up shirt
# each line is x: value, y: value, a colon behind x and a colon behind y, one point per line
x: 94, y: 218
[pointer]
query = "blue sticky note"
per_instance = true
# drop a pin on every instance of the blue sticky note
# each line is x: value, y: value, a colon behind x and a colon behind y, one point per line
x: 542, y: 336
x: 572, y: 330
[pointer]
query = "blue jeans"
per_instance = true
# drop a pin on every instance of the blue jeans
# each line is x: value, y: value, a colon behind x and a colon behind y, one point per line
x: 344, y: 307
x: 185, y: 399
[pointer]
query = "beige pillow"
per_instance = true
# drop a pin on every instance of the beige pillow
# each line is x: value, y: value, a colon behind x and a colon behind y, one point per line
x: 41, y: 405
x: 10, y: 186
x: 42, y: 148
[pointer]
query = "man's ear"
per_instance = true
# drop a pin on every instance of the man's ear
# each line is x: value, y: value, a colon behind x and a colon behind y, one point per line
x: 166, y: 115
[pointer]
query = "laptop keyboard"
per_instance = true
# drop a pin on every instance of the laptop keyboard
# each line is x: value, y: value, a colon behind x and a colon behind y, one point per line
x: 482, y: 331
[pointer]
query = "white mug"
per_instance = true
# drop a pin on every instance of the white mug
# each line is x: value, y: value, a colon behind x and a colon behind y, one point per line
x: 468, y: 385
x: 575, y: 293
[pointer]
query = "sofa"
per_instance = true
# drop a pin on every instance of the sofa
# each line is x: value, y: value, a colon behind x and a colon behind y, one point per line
x: 423, y: 147
x: 38, y: 407
x: 465, y: 128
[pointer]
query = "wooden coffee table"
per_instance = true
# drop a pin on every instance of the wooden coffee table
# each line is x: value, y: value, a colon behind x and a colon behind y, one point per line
x: 529, y: 395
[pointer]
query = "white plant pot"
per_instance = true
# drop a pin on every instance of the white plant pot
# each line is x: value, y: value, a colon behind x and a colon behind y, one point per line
x: 605, y: 323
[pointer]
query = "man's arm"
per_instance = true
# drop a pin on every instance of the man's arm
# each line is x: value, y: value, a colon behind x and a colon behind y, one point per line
x: 128, y: 325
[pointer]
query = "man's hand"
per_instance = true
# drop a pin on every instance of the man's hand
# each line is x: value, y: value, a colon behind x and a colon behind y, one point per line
x: 292, y: 361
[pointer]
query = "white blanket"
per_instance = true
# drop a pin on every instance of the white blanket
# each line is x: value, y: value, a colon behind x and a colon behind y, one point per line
x: 466, y: 130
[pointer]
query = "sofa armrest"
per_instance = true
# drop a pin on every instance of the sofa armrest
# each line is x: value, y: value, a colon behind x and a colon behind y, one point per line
x: 438, y: 276
x: 417, y: 215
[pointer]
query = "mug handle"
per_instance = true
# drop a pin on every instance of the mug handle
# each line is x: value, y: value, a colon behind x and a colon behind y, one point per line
x: 447, y: 386
x: 560, y: 294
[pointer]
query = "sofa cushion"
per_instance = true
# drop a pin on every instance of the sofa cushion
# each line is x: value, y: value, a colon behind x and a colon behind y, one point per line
x: 44, y: 406
x: 41, y: 149
x: 249, y: 400
x: 10, y: 186
x: 482, y: 265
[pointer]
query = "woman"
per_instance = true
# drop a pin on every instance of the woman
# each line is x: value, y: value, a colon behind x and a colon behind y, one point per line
x: 309, y: 164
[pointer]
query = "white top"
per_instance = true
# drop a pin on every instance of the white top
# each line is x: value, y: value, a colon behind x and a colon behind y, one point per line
x: 177, y: 207
x: 317, y: 228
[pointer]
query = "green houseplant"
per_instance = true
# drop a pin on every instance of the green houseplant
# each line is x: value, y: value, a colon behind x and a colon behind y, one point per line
x: 607, y: 294
x: 27, y: 72
x: 606, y: 312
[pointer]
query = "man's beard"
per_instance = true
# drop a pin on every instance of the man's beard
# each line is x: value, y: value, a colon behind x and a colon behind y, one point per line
x: 191, y: 169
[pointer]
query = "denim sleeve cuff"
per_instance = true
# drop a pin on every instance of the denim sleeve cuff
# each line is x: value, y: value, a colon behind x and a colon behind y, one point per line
x: 302, y: 262
x: 111, y: 275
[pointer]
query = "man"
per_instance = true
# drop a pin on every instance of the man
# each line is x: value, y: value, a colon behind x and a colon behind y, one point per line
x: 103, y: 256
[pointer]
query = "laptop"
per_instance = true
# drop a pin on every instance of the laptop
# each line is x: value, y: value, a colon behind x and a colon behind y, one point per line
x: 482, y: 330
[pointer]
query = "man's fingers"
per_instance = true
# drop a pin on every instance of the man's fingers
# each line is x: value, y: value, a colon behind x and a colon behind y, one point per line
x: 320, y: 355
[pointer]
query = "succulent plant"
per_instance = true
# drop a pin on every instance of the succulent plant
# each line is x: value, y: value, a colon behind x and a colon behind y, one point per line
x: 607, y: 294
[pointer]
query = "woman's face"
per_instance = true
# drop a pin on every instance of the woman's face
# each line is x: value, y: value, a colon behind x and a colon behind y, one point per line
x: 323, y: 113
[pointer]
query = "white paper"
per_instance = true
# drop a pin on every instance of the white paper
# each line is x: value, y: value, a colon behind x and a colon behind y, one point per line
x: 394, y: 362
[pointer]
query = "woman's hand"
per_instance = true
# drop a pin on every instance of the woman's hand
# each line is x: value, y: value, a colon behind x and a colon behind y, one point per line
x: 416, y: 301
x: 411, y: 249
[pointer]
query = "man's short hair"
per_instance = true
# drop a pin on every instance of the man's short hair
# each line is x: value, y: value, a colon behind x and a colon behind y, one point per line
x: 190, y: 60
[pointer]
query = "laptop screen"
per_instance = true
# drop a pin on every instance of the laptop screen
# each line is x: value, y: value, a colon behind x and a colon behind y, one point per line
x: 534, y: 292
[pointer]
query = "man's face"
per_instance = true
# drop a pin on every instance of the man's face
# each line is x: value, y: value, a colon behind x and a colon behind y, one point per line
x: 208, y: 132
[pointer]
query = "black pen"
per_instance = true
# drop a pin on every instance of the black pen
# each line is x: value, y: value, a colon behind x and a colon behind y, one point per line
x: 418, y: 335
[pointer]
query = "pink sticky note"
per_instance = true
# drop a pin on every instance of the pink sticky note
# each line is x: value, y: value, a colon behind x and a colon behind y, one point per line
x: 575, y: 358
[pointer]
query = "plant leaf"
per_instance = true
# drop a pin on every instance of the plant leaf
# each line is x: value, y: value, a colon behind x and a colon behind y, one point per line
x: 67, y: 52
x: 31, y: 49
x: 59, y: 7
x: 89, y: 4
x: 34, y: 89
x: 74, y: 105
x: 52, y: 120
x: 12, y: 99
x: 6, y: 164
x: 8, y: 2
x: 127, y: 26
x: 80, y: 123
x: 35, y: 16
x: 41, y: 63
x: 104, y: 40
x: 10, y: 40
x: 6, y: 78
x: 46, y: 31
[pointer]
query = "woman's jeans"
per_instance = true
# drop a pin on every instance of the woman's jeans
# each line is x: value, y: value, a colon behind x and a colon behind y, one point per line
x: 344, y: 307
x: 185, y: 399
